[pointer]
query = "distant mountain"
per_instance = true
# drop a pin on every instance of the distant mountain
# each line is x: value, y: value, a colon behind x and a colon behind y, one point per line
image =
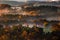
x: 54, y: 3
x: 29, y: 2
x: 12, y: 3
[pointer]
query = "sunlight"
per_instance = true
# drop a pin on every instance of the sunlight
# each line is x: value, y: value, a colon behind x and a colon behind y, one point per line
x: 54, y: 0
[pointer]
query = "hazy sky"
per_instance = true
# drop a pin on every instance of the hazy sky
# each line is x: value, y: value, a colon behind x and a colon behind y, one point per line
x: 29, y: 0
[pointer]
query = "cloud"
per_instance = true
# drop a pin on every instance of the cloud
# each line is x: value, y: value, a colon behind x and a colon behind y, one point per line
x: 11, y: 0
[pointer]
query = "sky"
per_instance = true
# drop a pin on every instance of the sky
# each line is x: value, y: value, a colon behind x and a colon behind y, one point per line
x: 29, y: 0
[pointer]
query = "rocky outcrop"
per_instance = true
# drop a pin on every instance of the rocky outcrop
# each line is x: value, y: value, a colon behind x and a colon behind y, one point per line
x: 3, y: 6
